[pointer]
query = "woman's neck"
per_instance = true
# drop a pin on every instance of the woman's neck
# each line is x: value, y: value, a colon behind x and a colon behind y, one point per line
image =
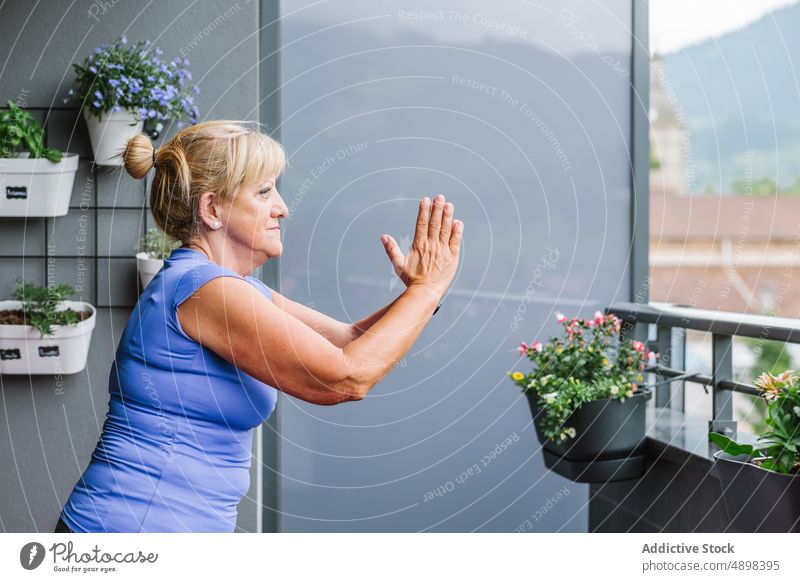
x: 229, y: 259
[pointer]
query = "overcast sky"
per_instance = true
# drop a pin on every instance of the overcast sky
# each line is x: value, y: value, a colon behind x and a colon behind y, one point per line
x: 675, y: 24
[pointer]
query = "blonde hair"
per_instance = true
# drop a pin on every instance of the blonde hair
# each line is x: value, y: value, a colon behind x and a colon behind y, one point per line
x: 213, y: 156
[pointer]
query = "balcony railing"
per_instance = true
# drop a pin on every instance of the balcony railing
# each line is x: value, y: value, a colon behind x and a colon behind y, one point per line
x: 671, y: 322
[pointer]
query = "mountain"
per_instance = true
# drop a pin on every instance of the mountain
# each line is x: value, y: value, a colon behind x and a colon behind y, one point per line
x: 740, y: 98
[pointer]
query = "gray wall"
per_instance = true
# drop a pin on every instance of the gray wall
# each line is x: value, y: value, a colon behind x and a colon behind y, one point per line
x: 49, y: 434
x: 519, y: 113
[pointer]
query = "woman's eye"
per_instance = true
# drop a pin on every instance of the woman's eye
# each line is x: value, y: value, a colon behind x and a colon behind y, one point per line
x: 265, y: 192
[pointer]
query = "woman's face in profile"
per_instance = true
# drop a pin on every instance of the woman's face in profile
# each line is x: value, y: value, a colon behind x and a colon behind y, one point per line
x: 253, y: 217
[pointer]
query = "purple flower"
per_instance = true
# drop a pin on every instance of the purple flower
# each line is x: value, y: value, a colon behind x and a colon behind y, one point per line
x: 96, y: 104
x: 92, y: 69
x: 99, y: 95
x: 124, y: 40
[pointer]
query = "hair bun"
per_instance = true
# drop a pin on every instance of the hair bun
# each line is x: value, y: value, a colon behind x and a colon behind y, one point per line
x: 139, y: 156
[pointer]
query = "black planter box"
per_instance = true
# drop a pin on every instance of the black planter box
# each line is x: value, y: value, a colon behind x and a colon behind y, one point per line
x: 609, y: 441
x: 757, y: 500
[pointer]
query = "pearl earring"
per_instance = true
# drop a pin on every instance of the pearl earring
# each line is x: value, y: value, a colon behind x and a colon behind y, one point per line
x: 216, y: 224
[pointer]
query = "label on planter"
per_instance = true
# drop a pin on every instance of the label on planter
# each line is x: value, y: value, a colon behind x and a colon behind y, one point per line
x: 48, y: 351
x: 16, y: 192
x: 11, y: 354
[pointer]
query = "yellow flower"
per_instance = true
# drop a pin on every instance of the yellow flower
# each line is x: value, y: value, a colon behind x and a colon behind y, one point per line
x: 517, y: 376
x: 605, y: 361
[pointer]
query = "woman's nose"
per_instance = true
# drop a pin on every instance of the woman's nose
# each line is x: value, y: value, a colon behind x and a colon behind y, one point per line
x: 280, y: 210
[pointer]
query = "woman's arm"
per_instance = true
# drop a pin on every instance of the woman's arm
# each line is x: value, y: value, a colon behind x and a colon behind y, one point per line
x: 338, y: 333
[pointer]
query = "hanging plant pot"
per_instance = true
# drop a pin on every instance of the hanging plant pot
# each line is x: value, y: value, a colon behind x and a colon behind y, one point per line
x: 147, y: 267
x: 110, y: 133
x: 757, y: 500
x: 609, y: 440
x: 23, y: 350
x: 36, y: 186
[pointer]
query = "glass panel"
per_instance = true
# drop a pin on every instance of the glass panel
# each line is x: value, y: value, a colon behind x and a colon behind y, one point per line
x: 725, y: 169
x: 519, y: 113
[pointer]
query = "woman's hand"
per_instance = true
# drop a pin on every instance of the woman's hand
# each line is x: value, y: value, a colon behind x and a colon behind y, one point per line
x: 432, y: 259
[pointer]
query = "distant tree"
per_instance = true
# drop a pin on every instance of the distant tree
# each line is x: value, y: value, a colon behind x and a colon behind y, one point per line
x: 793, y: 188
x: 758, y: 187
x: 771, y: 357
x: 655, y: 163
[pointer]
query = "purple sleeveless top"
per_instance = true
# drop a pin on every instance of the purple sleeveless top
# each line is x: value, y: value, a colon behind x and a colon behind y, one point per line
x: 174, y: 453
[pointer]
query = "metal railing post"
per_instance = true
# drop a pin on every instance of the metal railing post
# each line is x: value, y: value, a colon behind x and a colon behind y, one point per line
x: 722, y: 362
x: 663, y: 347
x: 670, y: 345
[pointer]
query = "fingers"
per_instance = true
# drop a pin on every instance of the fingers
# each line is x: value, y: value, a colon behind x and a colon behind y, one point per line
x: 455, y: 237
x: 422, y: 219
x: 393, y: 251
x: 447, y: 223
x: 435, y: 224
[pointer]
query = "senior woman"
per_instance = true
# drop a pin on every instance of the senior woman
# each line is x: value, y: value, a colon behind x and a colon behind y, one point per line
x: 208, y: 346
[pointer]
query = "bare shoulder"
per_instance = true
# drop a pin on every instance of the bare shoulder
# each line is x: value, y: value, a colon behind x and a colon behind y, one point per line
x: 236, y: 320
x: 225, y: 299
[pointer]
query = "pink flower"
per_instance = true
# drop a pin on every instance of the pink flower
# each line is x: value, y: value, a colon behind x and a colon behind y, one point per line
x: 638, y: 346
x: 523, y: 347
x: 537, y: 346
x: 560, y: 317
x: 589, y: 323
x: 598, y: 317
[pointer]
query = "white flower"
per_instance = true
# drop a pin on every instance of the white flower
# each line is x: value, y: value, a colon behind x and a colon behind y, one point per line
x: 796, y: 410
x: 614, y: 389
x: 571, y: 432
x: 550, y: 397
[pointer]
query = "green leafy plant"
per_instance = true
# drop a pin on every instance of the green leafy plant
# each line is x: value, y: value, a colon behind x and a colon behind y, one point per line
x: 134, y: 77
x: 778, y: 446
x: 40, y: 306
x: 20, y: 132
x: 589, y: 362
x: 157, y: 244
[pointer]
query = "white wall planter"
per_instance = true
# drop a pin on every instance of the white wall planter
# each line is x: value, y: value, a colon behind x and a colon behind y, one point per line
x: 110, y: 134
x: 36, y: 186
x: 147, y: 267
x: 24, y: 351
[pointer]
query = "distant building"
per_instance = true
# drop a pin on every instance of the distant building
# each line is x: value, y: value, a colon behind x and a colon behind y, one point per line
x: 728, y: 252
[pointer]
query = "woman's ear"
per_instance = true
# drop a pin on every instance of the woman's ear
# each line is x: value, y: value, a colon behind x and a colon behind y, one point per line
x: 209, y: 211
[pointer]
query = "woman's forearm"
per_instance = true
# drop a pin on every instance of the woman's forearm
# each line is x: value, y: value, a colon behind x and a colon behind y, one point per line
x: 381, y: 345
x: 362, y: 325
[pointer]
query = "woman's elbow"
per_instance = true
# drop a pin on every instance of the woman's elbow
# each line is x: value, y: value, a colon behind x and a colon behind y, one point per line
x: 340, y: 390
